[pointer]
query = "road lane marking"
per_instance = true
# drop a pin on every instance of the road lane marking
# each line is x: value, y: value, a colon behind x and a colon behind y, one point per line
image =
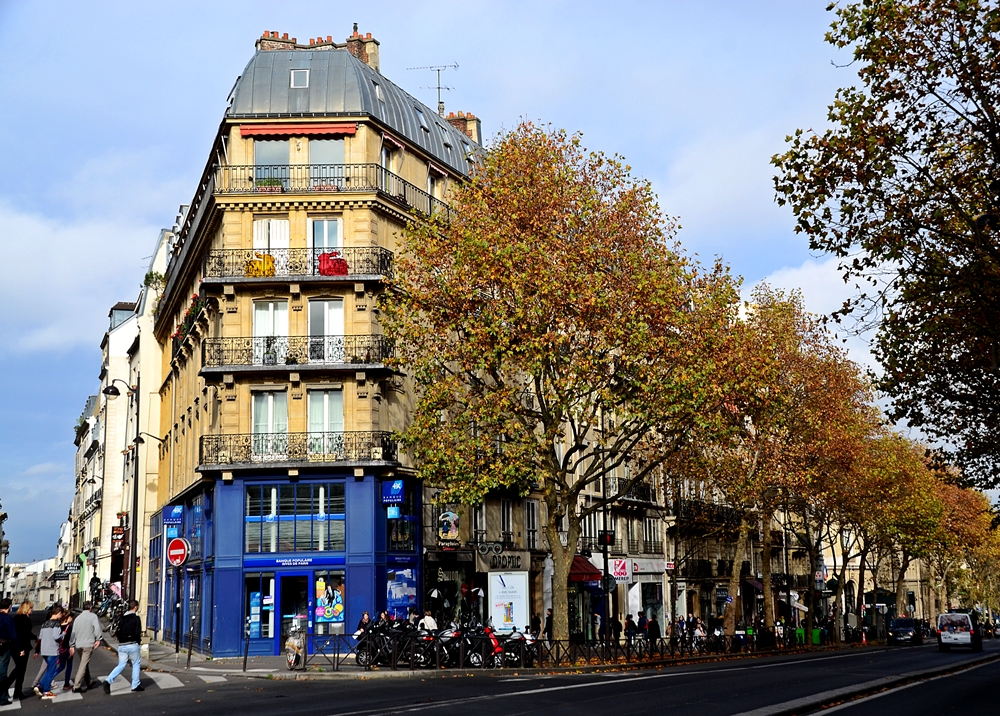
x: 165, y: 681
x: 211, y: 679
x: 625, y: 676
x: 901, y: 688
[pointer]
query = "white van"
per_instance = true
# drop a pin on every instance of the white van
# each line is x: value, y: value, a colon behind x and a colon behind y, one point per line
x: 958, y: 629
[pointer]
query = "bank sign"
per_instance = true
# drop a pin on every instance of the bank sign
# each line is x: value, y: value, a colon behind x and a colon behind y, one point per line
x: 392, y: 492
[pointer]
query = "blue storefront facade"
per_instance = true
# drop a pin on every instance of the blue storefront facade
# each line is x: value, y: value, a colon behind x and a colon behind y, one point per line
x: 271, y: 553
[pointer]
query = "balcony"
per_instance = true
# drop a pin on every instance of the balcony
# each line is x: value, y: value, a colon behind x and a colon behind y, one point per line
x: 327, y: 179
x: 258, y: 265
x: 642, y: 493
x: 297, y: 449
x: 267, y: 353
x: 700, y: 511
x: 651, y: 546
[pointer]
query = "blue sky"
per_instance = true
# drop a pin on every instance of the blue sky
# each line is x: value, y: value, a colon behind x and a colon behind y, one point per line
x: 110, y: 108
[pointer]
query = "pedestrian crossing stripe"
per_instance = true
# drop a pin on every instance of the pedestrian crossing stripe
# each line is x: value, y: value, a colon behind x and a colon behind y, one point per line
x: 211, y: 679
x: 123, y: 685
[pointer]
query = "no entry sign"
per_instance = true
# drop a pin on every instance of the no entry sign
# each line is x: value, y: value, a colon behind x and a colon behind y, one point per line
x: 178, y: 551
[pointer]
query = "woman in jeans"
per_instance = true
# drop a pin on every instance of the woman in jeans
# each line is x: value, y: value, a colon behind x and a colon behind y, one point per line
x: 49, y: 637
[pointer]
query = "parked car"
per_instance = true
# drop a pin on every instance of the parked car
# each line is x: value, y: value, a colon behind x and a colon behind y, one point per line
x: 904, y: 630
x: 959, y: 628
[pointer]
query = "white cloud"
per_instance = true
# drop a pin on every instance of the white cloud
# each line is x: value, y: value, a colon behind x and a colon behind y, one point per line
x: 63, y: 276
x: 824, y: 291
x: 44, y: 468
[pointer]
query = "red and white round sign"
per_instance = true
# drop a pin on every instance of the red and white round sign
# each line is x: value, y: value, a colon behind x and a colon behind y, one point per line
x: 178, y: 551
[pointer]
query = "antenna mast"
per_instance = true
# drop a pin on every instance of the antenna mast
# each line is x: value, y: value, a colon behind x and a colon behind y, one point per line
x: 438, y: 86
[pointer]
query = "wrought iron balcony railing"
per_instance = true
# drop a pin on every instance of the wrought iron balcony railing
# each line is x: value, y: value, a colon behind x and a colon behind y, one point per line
x: 295, y: 350
x: 325, y: 178
x: 642, y: 492
x: 293, y: 263
x: 651, y: 546
x: 351, y: 446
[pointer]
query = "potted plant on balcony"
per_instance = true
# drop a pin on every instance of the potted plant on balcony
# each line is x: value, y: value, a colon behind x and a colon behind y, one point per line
x: 269, y: 186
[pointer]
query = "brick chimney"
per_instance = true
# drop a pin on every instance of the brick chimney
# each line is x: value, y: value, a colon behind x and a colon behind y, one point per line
x: 271, y: 41
x: 364, y: 47
x: 467, y: 124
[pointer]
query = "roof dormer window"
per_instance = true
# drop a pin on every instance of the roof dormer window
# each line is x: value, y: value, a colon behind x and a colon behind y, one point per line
x: 444, y: 137
x: 423, y: 122
x: 299, y: 79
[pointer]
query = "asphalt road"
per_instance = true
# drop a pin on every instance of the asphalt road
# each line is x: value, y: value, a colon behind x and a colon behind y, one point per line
x: 723, y: 689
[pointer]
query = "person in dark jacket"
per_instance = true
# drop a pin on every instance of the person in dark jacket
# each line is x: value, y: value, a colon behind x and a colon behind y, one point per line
x: 548, y: 626
x: 8, y: 646
x: 129, y: 637
x: 25, y: 637
x: 65, y: 652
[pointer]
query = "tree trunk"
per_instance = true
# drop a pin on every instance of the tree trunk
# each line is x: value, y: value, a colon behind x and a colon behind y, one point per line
x: 734, y: 578
x: 562, y: 562
x: 861, y: 581
x: 765, y: 572
x: 901, y: 584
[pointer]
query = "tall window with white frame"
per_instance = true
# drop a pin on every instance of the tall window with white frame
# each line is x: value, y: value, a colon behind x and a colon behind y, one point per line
x: 507, y: 522
x: 270, y: 332
x: 326, y: 331
x: 479, y: 523
x: 270, y: 425
x: 531, y: 524
x: 326, y: 424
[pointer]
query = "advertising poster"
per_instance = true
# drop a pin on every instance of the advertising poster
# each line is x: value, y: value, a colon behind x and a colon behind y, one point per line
x: 509, y: 600
x: 329, y: 602
x: 255, y: 615
x: 401, y: 591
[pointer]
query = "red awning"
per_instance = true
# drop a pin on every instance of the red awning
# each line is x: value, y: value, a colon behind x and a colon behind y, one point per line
x: 583, y: 571
x: 393, y: 141
x: 304, y: 129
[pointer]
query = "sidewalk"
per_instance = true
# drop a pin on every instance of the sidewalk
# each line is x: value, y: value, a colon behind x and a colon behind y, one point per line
x: 165, y: 657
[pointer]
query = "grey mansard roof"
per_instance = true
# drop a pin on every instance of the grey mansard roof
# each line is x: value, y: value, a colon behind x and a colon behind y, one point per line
x: 341, y: 85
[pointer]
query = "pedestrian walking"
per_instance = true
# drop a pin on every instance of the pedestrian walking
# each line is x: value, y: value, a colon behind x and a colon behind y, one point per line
x: 22, y: 652
x: 616, y: 628
x: 87, y: 635
x: 595, y: 623
x: 65, y: 652
x: 630, y: 629
x: 129, y: 637
x: 548, y: 626
x: 8, y: 644
x: 653, y: 633
x: 536, y: 625
x: 364, y: 625
x: 49, y: 637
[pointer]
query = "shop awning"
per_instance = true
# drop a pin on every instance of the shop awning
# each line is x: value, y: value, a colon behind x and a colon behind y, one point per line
x: 754, y: 583
x: 583, y: 571
x: 305, y: 129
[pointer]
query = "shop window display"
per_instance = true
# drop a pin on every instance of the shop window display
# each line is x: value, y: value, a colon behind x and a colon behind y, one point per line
x: 259, y: 601
x: 295, y: 517
x: 330, y: 593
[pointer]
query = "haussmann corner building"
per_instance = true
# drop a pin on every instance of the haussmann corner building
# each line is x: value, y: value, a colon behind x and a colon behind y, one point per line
x: 277, y: 408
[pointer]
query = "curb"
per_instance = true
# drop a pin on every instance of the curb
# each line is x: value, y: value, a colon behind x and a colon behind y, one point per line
x: 530, y: 671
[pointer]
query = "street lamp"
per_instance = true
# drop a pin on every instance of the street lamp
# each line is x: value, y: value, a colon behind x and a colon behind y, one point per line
x: 131, y: 391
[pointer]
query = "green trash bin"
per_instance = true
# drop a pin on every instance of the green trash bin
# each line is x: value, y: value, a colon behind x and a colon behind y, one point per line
x: 800, y: 636
x: 816, y: 637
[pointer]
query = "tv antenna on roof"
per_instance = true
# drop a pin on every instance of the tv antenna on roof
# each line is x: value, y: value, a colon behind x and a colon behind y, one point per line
x: 438, y: 86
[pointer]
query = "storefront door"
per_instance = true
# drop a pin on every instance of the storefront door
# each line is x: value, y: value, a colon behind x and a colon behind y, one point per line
x: 295, y: 606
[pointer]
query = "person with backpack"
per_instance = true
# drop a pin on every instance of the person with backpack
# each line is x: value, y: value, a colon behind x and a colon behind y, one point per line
x: 129, y: 637
x: 49, y: 637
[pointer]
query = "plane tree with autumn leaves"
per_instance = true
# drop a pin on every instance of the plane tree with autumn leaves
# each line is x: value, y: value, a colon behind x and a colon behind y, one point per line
x: 556, y: 333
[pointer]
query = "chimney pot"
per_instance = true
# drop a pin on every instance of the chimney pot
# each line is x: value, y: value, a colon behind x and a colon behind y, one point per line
x: 295, y: 40
x: 329, y: 38
x: 285, y: 36
x: 311, y: 41
x: 368, y: 36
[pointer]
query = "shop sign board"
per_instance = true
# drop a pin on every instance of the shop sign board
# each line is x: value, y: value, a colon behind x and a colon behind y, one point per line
x: 503, y: 562
x: 117, y: 540
x: 71, y: 567
x: 722, y: 594
x: 60, y: 575
x: 448, y: 529
x: 178, y: 551
x: 508, y: 595
x: 392, y: 492
x: 621, y: 570
x: 173, y: 518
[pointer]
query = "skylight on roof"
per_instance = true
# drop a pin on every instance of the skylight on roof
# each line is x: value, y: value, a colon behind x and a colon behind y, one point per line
x: 299, y: 79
